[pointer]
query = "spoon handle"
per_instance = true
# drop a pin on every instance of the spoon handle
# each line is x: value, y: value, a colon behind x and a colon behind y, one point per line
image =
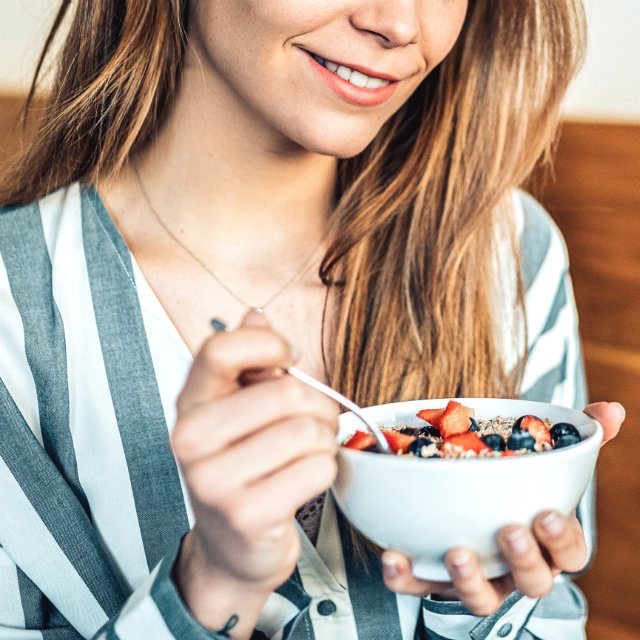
x: 381, y: 441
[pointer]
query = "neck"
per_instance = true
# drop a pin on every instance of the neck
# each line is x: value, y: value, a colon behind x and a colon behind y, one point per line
x: 228, y: 185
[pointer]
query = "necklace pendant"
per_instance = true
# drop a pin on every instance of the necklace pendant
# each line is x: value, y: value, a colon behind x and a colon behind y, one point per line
x: 258, y: 309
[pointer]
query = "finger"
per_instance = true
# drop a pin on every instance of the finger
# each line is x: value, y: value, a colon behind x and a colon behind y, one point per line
x: 562, y: 539
x: 277, y: 497
x: 265, y: 452
x: 398, y: 576
x: 610, y: 415
x: 478, y: 594
x: 255, y: 318
x: 224, y: 356
x: 210, y: 427
x: 531, y: 573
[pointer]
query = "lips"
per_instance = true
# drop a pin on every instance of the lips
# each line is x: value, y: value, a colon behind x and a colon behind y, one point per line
x: 333, y: 65
x: 354, y: 83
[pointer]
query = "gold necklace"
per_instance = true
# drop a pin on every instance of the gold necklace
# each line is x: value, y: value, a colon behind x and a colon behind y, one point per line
x: 260, y: 308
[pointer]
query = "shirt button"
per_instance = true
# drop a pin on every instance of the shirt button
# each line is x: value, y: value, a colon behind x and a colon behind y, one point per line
x: 326, y: 607
x: 505, y: 630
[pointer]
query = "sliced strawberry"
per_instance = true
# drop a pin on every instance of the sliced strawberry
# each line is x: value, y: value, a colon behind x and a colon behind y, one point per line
x: 455, y: 419
x: 399, y: 442
x: 508, y: 453
x: 360, y: 440
x: 432, y: 416
x: 536, y: 427
x: 469, y: 441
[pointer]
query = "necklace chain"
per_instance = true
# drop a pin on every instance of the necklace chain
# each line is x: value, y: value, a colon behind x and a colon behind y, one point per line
x: 305, y: 267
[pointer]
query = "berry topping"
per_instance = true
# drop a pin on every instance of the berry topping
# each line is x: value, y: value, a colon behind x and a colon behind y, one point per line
x: 361, y: 441
x: 521, y: 439
x: 453, y: 432
x: 419, y: 448
x: 455, y: 419
x: 399, y: 442
x: 432, y: 416
x: 469, y: 441
x: 494, y: 441
x: 566, y: 441
x: 536, y: 427
x: 430, y: 432
x: 562, y: 429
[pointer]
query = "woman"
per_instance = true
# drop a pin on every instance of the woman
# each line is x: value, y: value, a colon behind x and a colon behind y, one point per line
x: 346, y: 168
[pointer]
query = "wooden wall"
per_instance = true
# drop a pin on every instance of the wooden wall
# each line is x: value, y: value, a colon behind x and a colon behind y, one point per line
x: 595, y: 200
x: 10, y: 106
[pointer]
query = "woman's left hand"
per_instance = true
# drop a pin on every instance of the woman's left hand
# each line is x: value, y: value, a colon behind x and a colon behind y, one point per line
x: 553, y: 544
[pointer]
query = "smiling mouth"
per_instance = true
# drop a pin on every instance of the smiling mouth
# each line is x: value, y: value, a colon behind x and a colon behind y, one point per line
x: 353, y: 76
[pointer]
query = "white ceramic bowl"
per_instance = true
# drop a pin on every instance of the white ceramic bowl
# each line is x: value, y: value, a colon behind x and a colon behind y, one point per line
x: 425, y: 507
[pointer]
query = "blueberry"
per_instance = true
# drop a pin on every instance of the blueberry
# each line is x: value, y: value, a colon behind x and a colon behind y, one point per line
x: 494, y: 441
x: 430, y: 432
x: 562, y: 429
x: 474, y: 425
x: 416, y: 446
x: 521, y: 439
x: 566, y: 441
x: 410, y: 431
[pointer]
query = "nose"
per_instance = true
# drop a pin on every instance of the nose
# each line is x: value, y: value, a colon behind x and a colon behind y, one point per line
x: 395, y: 23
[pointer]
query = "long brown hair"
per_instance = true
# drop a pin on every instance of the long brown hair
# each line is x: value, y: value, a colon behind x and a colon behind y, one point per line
x: 415, y: 213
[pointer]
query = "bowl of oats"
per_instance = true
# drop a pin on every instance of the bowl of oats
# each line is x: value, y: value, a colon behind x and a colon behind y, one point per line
x: 463, y: 468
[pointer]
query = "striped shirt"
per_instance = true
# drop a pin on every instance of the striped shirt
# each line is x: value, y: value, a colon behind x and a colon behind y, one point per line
x: 92, y: 506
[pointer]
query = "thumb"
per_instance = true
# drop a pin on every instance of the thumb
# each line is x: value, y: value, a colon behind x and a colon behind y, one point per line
x: 256, y: 319
x: 610, y: 415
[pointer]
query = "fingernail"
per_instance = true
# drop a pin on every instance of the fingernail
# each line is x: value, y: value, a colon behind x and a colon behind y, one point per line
x: 622, y: 414
x: 390, y: 569
x: 552, y: 524
x: 460, y: 564
x: 218, y: 325
x: 517, y: 541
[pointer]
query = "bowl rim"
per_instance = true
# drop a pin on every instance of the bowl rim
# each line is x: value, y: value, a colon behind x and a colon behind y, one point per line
x: 588, y: 443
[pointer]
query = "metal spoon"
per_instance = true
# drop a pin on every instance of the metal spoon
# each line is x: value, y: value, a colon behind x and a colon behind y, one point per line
x: 381, y: 442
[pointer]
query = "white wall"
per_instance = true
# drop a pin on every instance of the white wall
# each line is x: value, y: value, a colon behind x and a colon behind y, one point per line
x: 608, y: 86
x: 607, y: 89
x: 24, y: 26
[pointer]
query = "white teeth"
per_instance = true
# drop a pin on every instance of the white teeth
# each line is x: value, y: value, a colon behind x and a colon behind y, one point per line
x: 359, y: 79
x: 351, y: 75
x: 344, y: 72
x: 376, y: 83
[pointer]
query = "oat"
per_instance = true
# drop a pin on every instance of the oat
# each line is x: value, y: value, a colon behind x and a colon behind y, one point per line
x: 430, y: 450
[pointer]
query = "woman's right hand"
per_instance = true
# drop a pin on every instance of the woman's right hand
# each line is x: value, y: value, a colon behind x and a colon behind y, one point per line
x: 251, y: 455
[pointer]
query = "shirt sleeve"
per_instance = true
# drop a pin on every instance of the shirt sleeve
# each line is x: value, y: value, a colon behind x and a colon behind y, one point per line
x: 154, y: 610
x: 555, y: 362
x: 450, y: 619
x: 57, y: 579
x: 561, y: 614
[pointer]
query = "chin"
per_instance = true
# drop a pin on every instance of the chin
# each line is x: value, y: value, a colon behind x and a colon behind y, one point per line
x: 332, y: 140
x: 339, y: 149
